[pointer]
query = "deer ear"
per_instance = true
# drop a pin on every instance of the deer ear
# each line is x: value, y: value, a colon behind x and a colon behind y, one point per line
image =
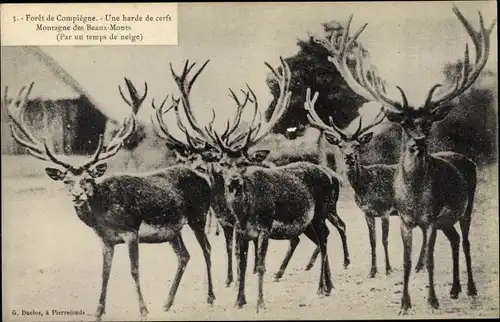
x: 98, y: 170
x: 55, y: 174
x: 394, y: 117
x: 258, y: 156
x: 365, y: 138
x: 332, y: 139
x: 210, y: 156
x: 441, y: 113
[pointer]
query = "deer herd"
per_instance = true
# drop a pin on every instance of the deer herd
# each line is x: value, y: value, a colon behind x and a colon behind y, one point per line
x: 218, y: 173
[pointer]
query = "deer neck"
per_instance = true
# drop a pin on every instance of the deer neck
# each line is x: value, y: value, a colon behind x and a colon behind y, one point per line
x: 354, y: 175
x: 322, y: 153
x: 218, y: 199
x: 240, y: 204
x: 86, y: 211
x: 412, y: 166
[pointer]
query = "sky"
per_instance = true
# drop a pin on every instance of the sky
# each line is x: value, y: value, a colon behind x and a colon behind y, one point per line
x: 409, y: 43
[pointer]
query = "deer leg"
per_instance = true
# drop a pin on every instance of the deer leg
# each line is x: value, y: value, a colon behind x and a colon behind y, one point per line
x: 313, y: 259
x: 454, y: 238
x: 206, y: 248
x: 465, y: 227
x: 208, y: 225
x: 407, y: 237
x: 133, y: 251
x: 421, y: 258
x: 370, y: 221
x: 431, y: 241
x: 291, y: 249
x: 341, y: 228
x: 228, y: 234
x: 325, y: 232
x: 256, y: 251
x: 317, y: 235
x: 262, y: 244
x: 385, y: 242
x: 237, y: 254
x: 182, y: 259
x: 107, y: 259
x: 217, y: 228
x: 242, y: 263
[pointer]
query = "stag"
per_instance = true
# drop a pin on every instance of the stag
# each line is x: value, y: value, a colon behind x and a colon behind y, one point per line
x: 372, y: 184
x: 260, y: 208
x: 122, y: 208
x: 432, y: 191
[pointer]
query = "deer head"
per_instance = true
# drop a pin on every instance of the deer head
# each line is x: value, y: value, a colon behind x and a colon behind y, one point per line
x: 233, y: 156
x: 197, y: 149
x: 349, y: 145
x: 79, y: 179
x: 416, y: 121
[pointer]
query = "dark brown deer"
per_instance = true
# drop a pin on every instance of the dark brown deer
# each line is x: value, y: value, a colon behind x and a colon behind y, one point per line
x: 130, y: 209
x: 196, y: 149
x: 432, y: 191
x: 260, y: 205
x: 219, y: 204
x: 372, y: 184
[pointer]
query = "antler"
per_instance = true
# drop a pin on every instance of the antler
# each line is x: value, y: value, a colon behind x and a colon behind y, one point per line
x: 316, y: 121
x: 125, y: 131
x: 160, y: 127
x: 314, y: 118
x: 468, y: 73
x: 15, y: 109
x: 257, y: 131
x: 162, y: 130
x: 368, y: 84
x: 185, y: 86
x: 239, y: 112
x: 378, y: 119
x: 134, y: 95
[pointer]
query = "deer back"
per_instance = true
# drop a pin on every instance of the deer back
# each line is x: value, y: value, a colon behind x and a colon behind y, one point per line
x: 158, y: 198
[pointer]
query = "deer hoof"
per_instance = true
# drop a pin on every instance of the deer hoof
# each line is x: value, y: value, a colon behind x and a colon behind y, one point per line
x: 388, y: 271
x: 347, y: 262
x: 167, y: 307
x: 420, y: 267
x: 240, y: 302
x: 471, y: 289
x: 455, y: 290
x: 100, y: 312
x: 405, y: 305
x: 308, y: 267
x: 373, y: 273
x: 260, y: 305
x: 433, y: 302
x: 210, y: 299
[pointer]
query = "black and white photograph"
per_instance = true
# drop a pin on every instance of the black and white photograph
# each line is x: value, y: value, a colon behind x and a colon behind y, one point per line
x: 282, y: 160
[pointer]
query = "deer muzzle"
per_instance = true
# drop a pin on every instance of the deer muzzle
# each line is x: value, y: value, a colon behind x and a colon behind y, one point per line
x: 234, y: 184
